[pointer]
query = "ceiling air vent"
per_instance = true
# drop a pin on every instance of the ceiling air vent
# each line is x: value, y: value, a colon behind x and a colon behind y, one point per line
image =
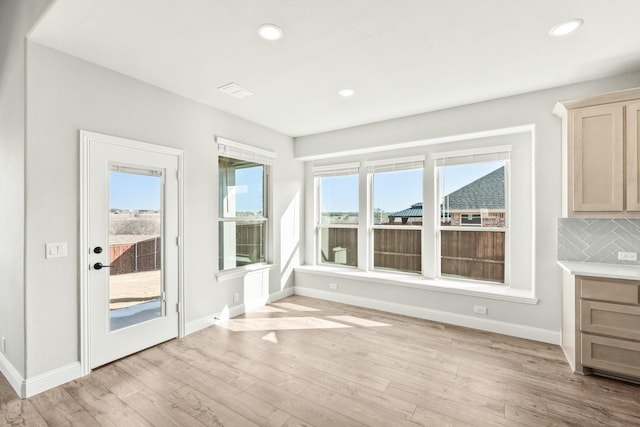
x: 235, y: 90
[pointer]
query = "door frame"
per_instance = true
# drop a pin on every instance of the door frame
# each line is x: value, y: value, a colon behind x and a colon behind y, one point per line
x: 86, y: 138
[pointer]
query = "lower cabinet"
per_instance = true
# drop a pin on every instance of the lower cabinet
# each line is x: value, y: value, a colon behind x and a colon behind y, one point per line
x: 611, y: 355
x: 607, y: 329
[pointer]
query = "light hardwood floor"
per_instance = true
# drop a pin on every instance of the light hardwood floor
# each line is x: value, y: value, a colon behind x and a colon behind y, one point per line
x: 307, y: 362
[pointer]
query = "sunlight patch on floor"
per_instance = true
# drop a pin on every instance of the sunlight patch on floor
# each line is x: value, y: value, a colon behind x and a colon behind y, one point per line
x: 271, y: 337
x: 358, y: 321
x: 293, y: 307
x: 268, y: 309
x: 280, y: 323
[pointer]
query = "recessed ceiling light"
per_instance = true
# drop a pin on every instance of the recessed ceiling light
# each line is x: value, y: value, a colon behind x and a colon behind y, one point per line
x: 566, y: 27
x: 346, y: 92
x: 270, y: 32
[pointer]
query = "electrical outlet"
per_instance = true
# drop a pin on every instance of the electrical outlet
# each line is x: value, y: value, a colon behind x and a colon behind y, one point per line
x: 480, y: 309
x: 627, y: 256
x: 333, y: 286
x: 3, y: 345
x: 236, y: 297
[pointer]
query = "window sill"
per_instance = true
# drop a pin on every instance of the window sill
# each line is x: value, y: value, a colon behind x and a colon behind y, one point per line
x: 452, y: 286
x: 223, y: 276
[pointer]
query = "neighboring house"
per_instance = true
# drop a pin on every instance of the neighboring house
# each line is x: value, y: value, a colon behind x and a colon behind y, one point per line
x: 480, y: 203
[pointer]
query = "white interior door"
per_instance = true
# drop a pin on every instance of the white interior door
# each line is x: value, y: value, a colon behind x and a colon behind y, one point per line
x: 132, y: 241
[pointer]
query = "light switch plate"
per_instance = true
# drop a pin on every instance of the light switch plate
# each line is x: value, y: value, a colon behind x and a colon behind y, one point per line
x: 56, y: 250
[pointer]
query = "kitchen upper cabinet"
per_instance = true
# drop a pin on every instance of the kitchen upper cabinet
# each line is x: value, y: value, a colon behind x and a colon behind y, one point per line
x: 633, y: 156
x: 601, y: 148
x: 596, y: 158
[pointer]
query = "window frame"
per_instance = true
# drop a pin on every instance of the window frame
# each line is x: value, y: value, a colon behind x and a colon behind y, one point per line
x: 319, y: 172
x: 385, y: 166
x: 243, y: 152
x: 481, y: 156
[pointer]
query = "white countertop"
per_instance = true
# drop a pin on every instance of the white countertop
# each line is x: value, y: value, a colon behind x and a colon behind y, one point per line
x: 593, y: 269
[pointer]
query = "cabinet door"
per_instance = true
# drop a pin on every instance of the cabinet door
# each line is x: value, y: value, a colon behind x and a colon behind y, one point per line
x: 633, y: 157
x: 596, y: 159
x: 617, y: 320
x: 611, y: 354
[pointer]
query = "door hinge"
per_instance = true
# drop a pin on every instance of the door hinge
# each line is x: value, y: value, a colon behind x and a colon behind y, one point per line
x: 177, y: 240
x: 177, y: 307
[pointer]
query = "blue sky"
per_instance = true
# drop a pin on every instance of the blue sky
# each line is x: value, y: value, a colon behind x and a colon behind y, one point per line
x: 131, y: 191
x: 394, y: 191
x: 248, y: 189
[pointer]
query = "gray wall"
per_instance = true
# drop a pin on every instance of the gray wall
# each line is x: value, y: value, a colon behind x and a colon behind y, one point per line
x: 598, y: 240
x: 66, y: 95
x: 532, y: 108
x: 16, y: 17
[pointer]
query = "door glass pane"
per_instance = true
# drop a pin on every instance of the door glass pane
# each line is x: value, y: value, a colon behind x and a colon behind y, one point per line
x: 135, y: 247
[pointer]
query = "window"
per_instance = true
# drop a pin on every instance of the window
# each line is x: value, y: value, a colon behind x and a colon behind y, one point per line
x: 473, y: 230
x: 243, y: 218
x: 396, y: 216
x: 338, y: 214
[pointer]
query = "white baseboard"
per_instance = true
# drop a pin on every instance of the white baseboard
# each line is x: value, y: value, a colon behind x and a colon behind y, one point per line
x: 286, y: 292
x: 236, y: 310
x: 51, y: 379
x: 511, y: 329
x: 12, y: 375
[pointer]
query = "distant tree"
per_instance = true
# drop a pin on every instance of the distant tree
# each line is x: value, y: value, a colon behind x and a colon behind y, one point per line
x: 378, y: 214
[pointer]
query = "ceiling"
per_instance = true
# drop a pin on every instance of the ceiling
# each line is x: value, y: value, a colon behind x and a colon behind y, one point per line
x: 401, y: 57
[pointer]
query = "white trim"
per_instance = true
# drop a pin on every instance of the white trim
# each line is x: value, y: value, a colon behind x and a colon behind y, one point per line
x: 238, y: 150
x: 416, y: 281
x: 336, y: 169
x: 339, y: 225
x: 223, y: 276
x: 505, y: 328
x: 181, y: 248
x: 201, y: 323
x: 12, y: 375
x: 86, y: 138
x: 51, y: 379
x: 85, y: 341
x: 396, y: 165
x: 236, y: 310
x: 420, y: 143
x: 500, y: 149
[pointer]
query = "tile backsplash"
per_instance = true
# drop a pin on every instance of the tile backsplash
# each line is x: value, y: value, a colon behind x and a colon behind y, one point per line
x: 598, y: 240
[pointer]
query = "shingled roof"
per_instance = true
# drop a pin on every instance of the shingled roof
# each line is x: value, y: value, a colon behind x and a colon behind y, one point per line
x: 486, y: 192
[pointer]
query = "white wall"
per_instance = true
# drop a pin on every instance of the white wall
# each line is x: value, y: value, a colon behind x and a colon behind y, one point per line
x: 16, y: 16
x: 65, y: 95
x: 532, y: 108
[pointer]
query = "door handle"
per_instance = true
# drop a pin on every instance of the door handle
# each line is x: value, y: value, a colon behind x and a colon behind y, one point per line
x: 100, y: 266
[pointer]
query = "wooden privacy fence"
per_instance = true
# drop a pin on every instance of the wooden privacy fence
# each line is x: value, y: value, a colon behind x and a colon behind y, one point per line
x: 397, y: 249
x: 473, y: 254
x: 133, y: 257
x: 341, y: 246
x: 249, y: 243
